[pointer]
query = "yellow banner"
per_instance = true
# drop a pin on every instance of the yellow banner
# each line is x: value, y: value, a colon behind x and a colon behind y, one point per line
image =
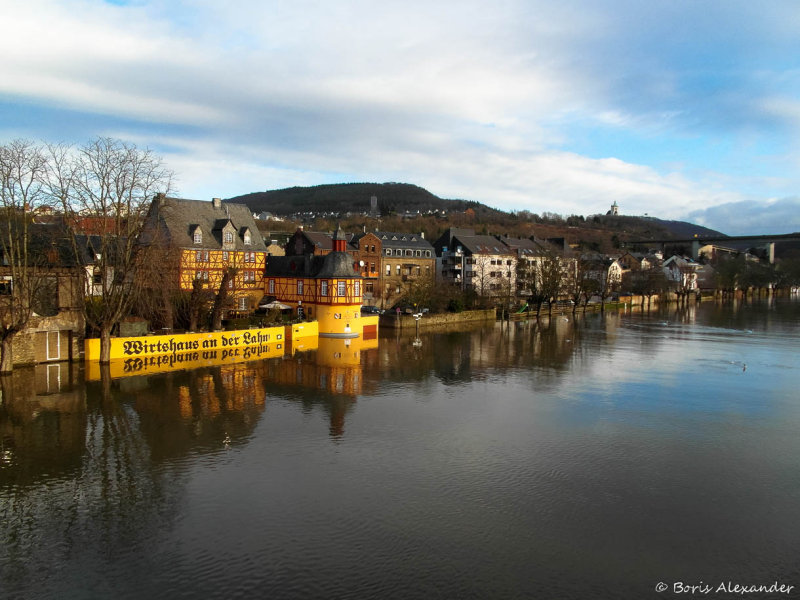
x: 227, y: 343
x: 162, y: 363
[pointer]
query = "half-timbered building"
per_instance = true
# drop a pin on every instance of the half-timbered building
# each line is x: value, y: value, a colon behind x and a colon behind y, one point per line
x: 324, y: 288
x: 208, y: 239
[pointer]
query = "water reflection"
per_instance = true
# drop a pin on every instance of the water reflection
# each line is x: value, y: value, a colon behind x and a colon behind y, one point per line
x: 42, y: 423
x: 111, y: 482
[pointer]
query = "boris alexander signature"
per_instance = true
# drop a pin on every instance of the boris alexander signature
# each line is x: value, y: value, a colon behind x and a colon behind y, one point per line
x: 723, y: 587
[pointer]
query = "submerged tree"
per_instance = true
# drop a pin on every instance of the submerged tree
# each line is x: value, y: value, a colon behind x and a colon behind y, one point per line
x: 22, y: 170
x: 104, y: 189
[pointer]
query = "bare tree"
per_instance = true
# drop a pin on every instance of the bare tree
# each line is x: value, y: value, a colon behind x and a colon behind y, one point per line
x: 222, y: 299
x: 552, y: 275
x: 577, y: 281
x: 22, y: 170
x: 105, y: 187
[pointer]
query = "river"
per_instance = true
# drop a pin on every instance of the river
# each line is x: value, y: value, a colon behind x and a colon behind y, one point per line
x: 629, y: 455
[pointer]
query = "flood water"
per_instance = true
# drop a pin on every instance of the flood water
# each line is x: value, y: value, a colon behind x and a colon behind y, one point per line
x: 595, y: 457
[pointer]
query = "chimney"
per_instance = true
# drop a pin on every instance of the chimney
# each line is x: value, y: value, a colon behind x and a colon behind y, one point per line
x: 422, y: 234
x: 217, y: 202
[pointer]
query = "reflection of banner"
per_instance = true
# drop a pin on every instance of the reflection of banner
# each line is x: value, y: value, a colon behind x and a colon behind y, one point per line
x: 151, y: 345
x: 161, y: 363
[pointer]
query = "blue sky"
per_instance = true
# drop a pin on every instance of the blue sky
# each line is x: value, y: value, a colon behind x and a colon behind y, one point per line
x: 683, y: 110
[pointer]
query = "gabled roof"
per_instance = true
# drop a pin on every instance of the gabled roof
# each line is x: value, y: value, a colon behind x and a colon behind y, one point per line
x: 180, y: 218
x: 334, y: 264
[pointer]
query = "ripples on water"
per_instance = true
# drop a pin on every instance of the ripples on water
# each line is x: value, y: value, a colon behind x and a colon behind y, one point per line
x: 587, y: 458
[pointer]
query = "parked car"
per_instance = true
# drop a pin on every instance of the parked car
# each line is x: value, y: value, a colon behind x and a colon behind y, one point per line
x: 371, y: 310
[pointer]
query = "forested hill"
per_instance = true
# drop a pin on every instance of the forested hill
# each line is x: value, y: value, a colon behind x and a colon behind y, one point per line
x: 403, y: 206
x: 355, y: 198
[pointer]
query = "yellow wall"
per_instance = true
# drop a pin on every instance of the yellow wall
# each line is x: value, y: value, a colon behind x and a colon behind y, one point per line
x: 229, y: 343
x: 340, y: 318
x: 302, y: 330
x: 215, y: 265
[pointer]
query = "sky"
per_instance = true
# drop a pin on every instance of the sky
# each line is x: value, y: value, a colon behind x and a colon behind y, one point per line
x: 676, y: 109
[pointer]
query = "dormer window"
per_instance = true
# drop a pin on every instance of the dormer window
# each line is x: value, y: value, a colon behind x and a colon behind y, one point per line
x: 197, y: 236
x: 228, y: 233
x: 248, y: 239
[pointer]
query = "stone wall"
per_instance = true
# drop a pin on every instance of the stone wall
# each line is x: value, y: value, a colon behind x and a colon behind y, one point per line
x: 28, y: 344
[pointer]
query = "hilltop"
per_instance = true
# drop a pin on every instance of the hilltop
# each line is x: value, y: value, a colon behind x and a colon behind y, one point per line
x: 407, y: 207
x: 393, y: 198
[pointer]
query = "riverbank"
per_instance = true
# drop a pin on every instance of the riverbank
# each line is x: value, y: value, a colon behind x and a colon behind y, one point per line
x: 428, y: 320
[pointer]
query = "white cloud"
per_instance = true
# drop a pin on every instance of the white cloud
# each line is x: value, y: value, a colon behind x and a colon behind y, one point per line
x: 468, y: 101
x: 751, y: 217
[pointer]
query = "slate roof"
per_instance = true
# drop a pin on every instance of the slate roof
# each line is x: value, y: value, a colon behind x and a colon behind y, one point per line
x: 334, y: 264
x: 180, y: 218
x: 480, y: 244
x: 397, y: 240
x: 48, y: 246
x: 529, y: 247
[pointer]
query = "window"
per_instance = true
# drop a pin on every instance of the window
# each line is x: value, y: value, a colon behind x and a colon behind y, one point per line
x: 371, y: 267
x: 428, y: 253
x: 228, y: 237
x: 225, y: 256
x: 409, y: 253
x: 299, y: 287
x: 198, y: 236
x: 388, y: 270
x: 342, y: 288
x: 271, y: 286
x: 247, y: 238
x: 198, y: 256
x: 323, y: 288
x: 398, y: 269
x: 388, y: 252
x: 5, y: 285
x: 418, y: 253
x: 357, y: 288
x: 230, y: 283
x: 244, y: 303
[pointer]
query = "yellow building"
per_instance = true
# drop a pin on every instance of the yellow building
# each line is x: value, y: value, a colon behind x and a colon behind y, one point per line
x: 205, y: 240
x: 325, y: 288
